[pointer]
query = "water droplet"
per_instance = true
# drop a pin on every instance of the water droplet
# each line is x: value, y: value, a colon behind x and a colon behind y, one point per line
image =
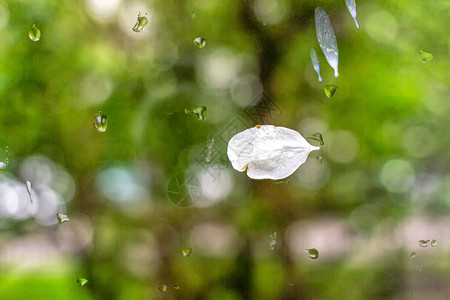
x: 163, y: 288
x: 29, y: 190
x: 199, y: 111
x: 209, y: 145
x: 62, y: 218
x: 141, y: 22
x: 187, y: 252
x: 327, y: 39
x: 176, y: 287
x: 200, y: 42
x: 425, y: 56
x: 315, y: 62
x: 193, y: 14
x: 34, y: 34
x: 412, y: 255
x: 317, y: 137
x: 313, y: 253
x: 273, y: 240
x: 82, y: 281
x: 3, y: 166
x: 320, y: 159
x: 291, y: 283
x: 101, y: 122
x: 330, y: 89
x: 423, y: 243
x: 433, y: 243
x: 351, y: 6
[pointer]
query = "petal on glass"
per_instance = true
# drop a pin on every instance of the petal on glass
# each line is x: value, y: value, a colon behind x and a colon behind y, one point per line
x: 351, y: 6
x: 268, y: 152
x: 327, y: 39
x: 315, y: 62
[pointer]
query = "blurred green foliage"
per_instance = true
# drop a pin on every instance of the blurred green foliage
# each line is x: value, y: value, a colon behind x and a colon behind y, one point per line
x: 389, y: 105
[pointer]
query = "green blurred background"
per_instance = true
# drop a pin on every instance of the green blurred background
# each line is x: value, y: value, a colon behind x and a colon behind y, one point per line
x: 382, y: 186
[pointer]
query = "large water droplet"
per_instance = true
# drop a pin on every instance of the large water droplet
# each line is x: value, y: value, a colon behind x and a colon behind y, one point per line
x: 327, y: 39
x: 82, y: 281
x: 34, y: 34
x: 163, y: 288
x: 3, y: 166
x: 317, y: 137
x: 423, y: 243
x: 29, y: 190
x: 315, y: 62
x: 433, y: 243
x: 141, y: 22
x: 273, y: 240
x: 200, y: 42
x: 62, y: 218
x: 412, y: 255
x: 313, y: 253
x: 199, y: 111
x: 330, y: 89
x: 100, y: 122
x: 351, y: 6
x: 425, y: 56
x: 187, y: 252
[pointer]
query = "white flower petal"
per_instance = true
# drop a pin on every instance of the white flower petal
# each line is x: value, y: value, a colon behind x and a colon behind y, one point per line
x: 268, y: 152
x: 327, y: 39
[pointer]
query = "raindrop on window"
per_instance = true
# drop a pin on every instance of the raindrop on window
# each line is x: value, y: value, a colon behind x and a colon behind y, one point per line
x: 199, y: 111
x: 187, y: 252
x: 29, y: 190
x: 82, y: 281
x: 317, y: 137
x: 62, y: 218
x: 313, y: 253
x: 34, y: 34
x: 273, y: 240
x: 423, y: 243
x: 141, y: 22
x: 425, y: 56
x: 330, y: 90
x: 163, y: 288
x: 200, y: 42
x: 100, y: 122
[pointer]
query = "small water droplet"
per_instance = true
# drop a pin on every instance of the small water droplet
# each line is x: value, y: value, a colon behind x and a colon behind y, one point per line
x: 273, y: 240
x: 29, y: 190
x: 412, y: 255
x: 200, y: 42
x: 291, y: 283
x: 319, y: 159
x: 425, y: 56
x: 163, y: 288
x: 141, y: 22
x: 34, y: 34
x: 193, y: 14
x: 330, y: 89
x: 199, y: 111
x: 317, y: 137
x: 433, y: 243
x: 62, y: 218
x: 176, y: 287
x: 187, y: 252
x: 101, y: 122
x: 3, y: 166
x: 423, y: 243
x: 313, y: 253
x: 82, y: 281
